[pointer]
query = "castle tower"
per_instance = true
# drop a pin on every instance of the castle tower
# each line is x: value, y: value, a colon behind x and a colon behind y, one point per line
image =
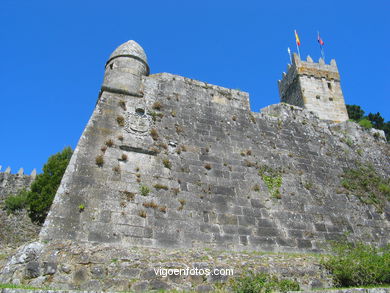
x: 314, y: 86
x: 125, y: 68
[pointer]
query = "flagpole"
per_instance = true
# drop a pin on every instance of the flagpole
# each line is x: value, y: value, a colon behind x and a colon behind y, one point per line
x: 299, y: 53
x: 289, y: 54
x: 321, y: 47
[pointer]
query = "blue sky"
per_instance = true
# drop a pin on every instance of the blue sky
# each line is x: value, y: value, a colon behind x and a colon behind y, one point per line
x: 53, y: 55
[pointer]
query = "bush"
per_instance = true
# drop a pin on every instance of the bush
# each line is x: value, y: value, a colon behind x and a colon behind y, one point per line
x: 365, y: 123
x: 16, y: 202
x: 358, y: 265
x: 264, y: 283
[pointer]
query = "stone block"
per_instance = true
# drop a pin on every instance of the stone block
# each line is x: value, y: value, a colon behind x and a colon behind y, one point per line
x: 32, y: 270
x: 227, y: 219
x: 49, y: 268
x: 267, y: 232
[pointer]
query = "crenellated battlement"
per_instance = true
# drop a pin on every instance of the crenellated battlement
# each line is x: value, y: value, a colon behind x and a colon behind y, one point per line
x: 13, y: 183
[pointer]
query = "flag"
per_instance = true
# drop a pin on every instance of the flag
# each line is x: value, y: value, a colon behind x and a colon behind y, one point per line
x: 297, y: 38
x: 320, y: 41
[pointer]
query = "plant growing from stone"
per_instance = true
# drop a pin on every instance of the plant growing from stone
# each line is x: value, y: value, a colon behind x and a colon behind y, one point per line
x: 154, y: 133
x: 144, y: 190
x: 122, y: 104
x: 124, y: 157
x: 160, y: 186
x: 129, y: 195
x: 120, y: 120
x: 150, y: 204
x: 182, y: 203
x: 367, y: 185
x: 167, y: 163
x: 155, y: 115
x: 109, y: 143
x: 157, y: 106
x: 272, y: 179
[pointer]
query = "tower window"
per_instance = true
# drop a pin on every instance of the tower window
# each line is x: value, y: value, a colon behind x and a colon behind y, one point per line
x: 331, y: 99
x: 329, y: 85
x: 318, y: 97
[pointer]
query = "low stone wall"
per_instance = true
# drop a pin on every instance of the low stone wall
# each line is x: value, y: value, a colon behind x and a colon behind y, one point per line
x: 72, y: 266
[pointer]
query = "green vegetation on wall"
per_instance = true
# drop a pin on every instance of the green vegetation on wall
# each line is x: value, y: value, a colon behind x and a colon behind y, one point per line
x: 273, y: 179
x: 367, y: 185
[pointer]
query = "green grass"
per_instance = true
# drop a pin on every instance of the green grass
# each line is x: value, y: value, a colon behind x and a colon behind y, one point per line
x: 261, y: 282
x: 13, y: 286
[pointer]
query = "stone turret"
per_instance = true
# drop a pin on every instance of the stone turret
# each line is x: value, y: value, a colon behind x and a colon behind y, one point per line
x: 125, y: 68
x: 314, y: 86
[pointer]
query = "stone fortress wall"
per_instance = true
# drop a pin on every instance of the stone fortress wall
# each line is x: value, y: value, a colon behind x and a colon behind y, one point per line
x: 13, y: 183
x: 199, y: 150
x: 173, y: 172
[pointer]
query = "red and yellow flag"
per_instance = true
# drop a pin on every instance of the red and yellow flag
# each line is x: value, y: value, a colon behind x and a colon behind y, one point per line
x: 297, y: 38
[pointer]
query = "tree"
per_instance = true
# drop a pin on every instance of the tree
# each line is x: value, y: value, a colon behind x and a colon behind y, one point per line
x: 45, y: 186
x: 377, y: 120
x: 355, y: 112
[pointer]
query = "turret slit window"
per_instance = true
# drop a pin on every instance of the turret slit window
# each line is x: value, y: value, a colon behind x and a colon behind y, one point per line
x: 329, y: 86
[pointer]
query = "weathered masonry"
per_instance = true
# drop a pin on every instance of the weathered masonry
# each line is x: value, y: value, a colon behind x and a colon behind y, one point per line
x: 166, y: 161
x: 178, y: 173
x: 315, y: 87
